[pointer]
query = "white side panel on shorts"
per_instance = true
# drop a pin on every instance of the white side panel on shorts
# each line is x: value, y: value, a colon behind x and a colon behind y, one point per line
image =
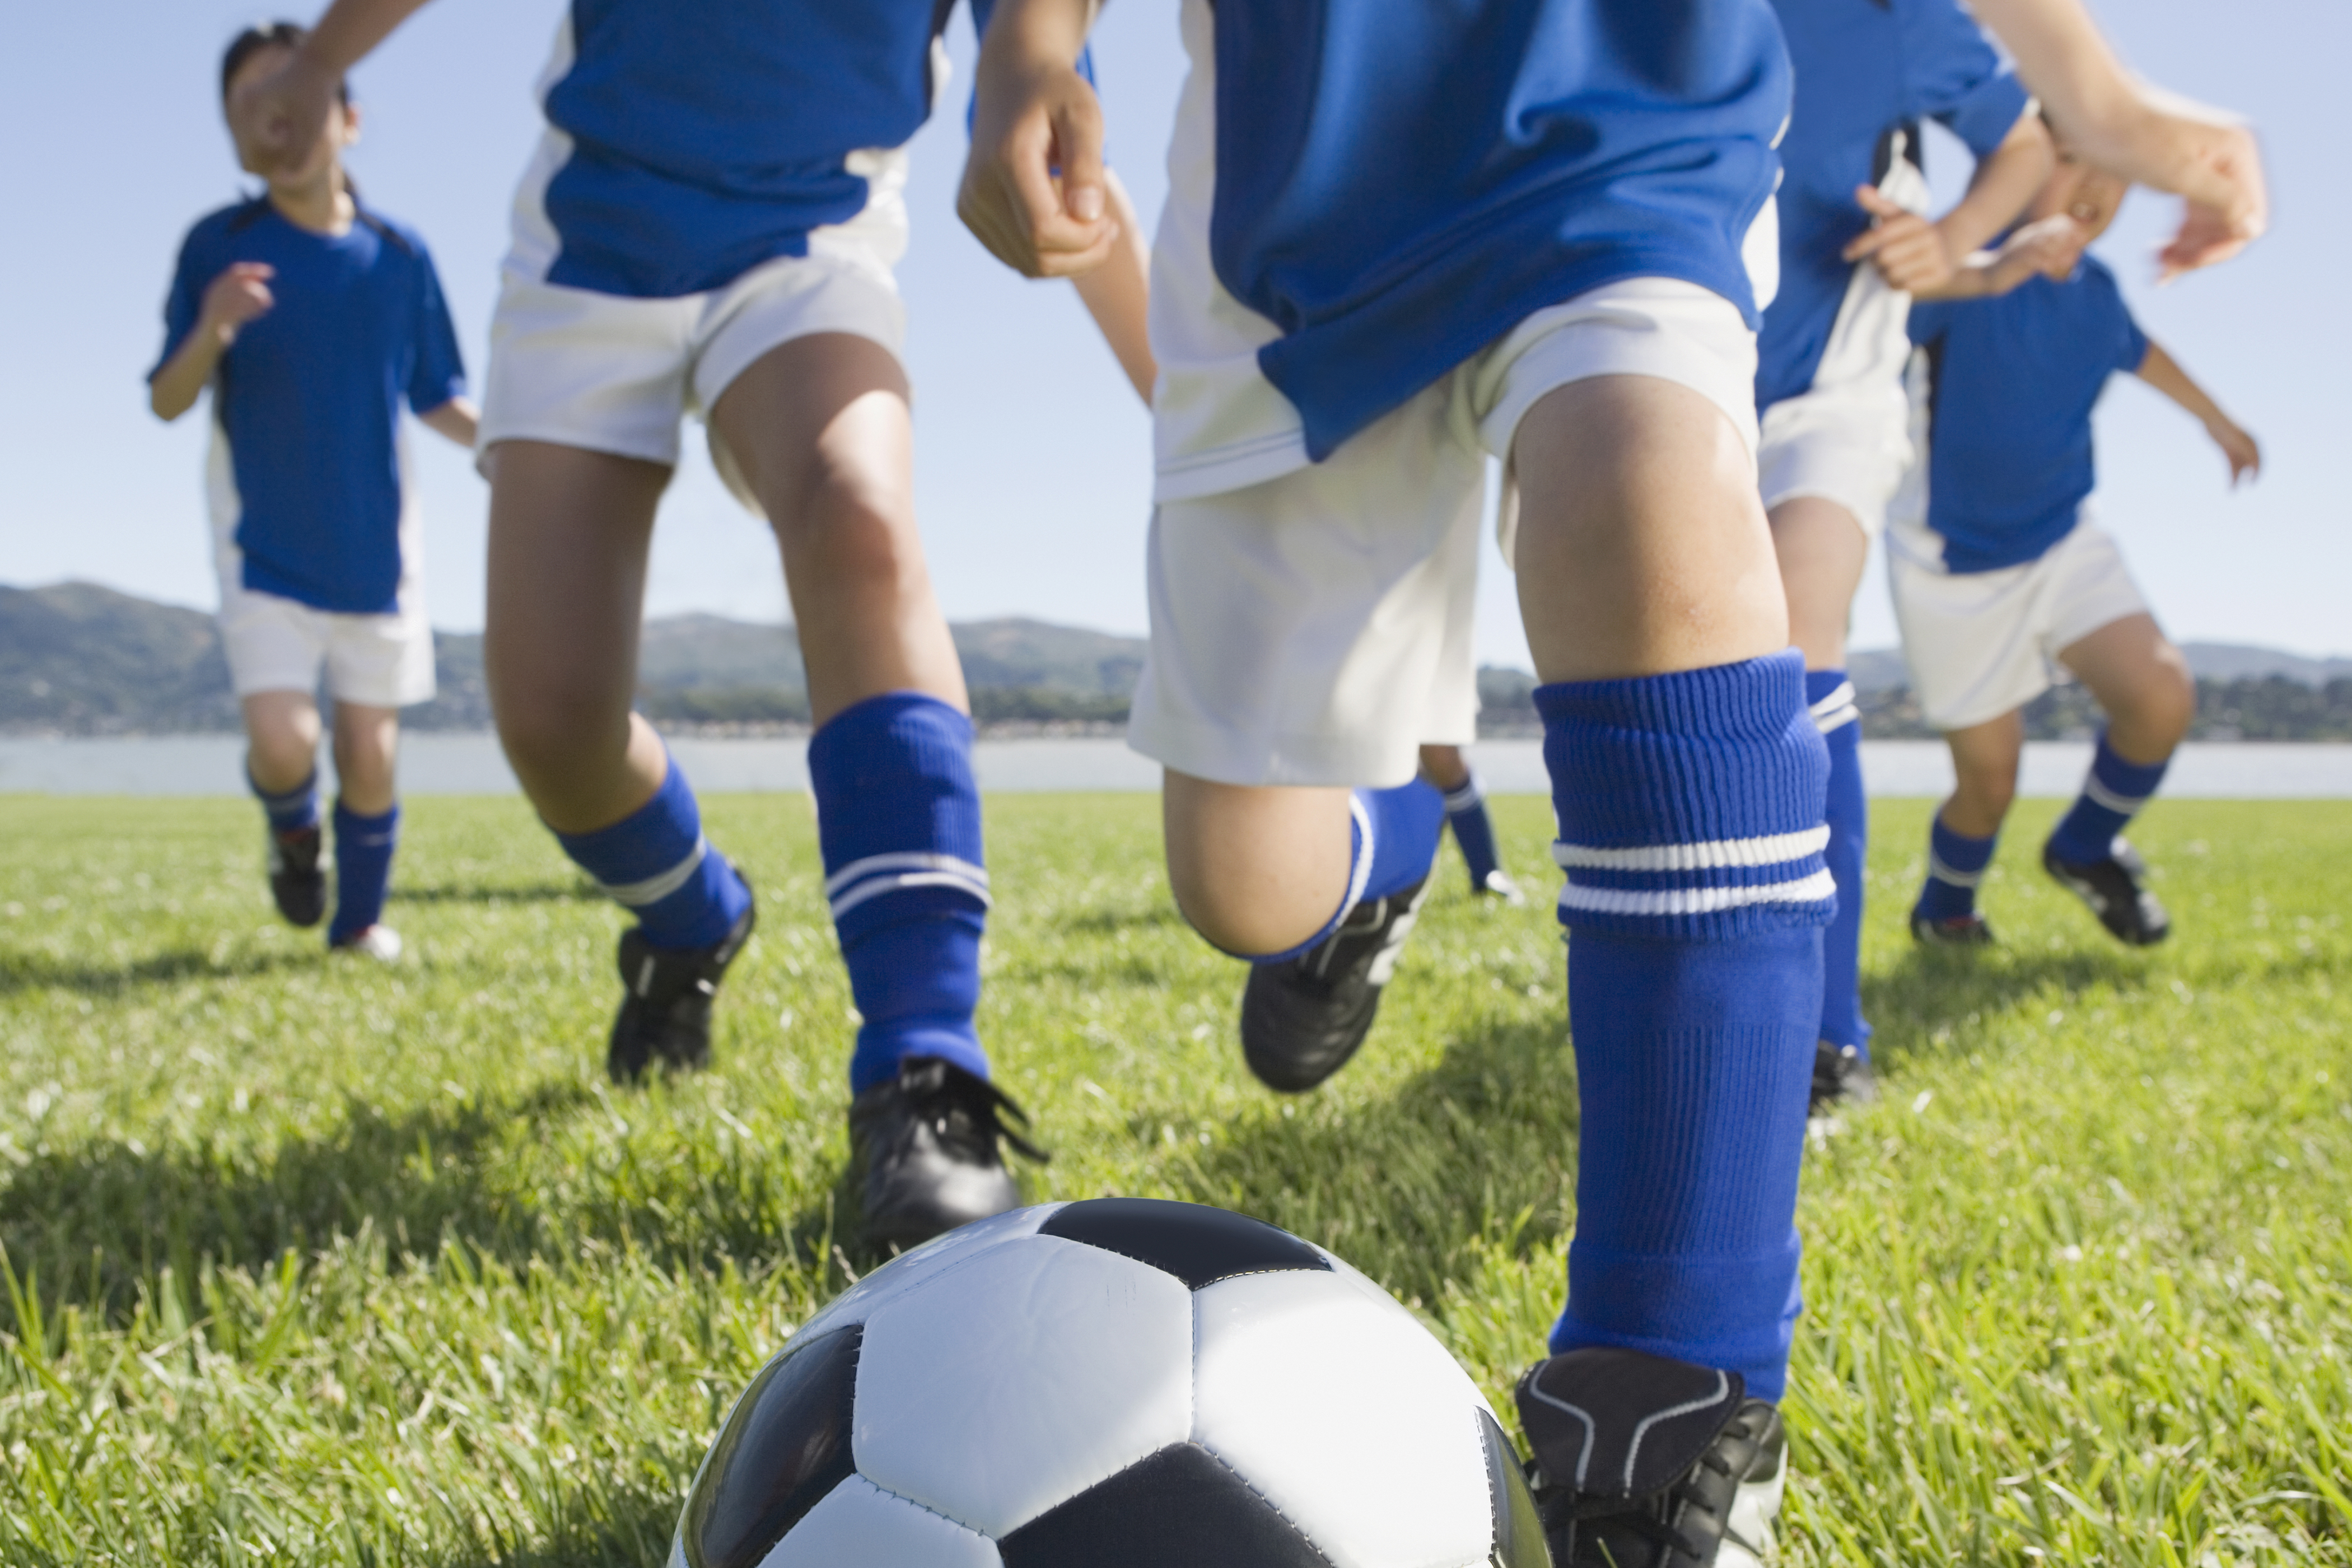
x: 859, y: 1525
x: 1346, y: 1416
x: 903, y: 1273
x: 1016, y: 1379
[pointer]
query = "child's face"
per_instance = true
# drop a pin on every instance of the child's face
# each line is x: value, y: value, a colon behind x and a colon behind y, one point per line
x: 2089, y: 196
x: 342, y: 127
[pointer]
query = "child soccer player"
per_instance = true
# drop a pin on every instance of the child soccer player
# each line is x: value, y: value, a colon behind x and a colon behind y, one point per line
x: 710, y: 226
x: 312, y: 318
x: 1398, y: 239
x: 1999, y: 572
x: 1829, y: 381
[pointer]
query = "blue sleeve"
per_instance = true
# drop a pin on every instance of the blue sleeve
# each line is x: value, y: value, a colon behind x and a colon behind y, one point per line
x: 185, y: 302
x: 438, y: 374
x: 2131, y: 344
x: 1951, y: 73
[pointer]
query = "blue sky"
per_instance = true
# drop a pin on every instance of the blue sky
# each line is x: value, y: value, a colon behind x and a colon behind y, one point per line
x: 1032, y: 457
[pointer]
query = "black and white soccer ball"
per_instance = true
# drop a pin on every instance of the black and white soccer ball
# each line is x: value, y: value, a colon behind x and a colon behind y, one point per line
x: 1120, y: 1381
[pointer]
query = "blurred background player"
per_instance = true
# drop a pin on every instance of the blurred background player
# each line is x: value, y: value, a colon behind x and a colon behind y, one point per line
x: 1579, y: 303
x: 710, y: 226
x: 1465, y: 813
x: 1999, y: 572
x: 312, y: 318
x: 1829, y: 385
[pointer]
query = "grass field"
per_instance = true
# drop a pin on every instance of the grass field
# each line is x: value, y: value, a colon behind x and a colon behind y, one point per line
x: 315, y: 1262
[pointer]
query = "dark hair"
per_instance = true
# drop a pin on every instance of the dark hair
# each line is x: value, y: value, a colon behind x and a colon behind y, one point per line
x: 269, y: 35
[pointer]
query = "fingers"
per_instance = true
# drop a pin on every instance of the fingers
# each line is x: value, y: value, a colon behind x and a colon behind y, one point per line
x: 1077, y: 147
x: 1041, y: 225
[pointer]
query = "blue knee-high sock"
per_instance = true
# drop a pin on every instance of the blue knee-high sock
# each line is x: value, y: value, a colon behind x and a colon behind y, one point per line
x: 1956, y: 863
x: 898, y: 819
x: 1830, y: 697
x: 2111, y: 795
x: 656, y: 861
x: 1395, y: 834
x: 363, y: 847
x: 293, y: 811
x: 1690, y: 812
x: 1474, y: 835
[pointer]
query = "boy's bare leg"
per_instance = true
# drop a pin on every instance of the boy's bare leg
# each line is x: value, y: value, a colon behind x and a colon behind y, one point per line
x: 281, y: 738
x: 1984, y: 769
x: 1642, y: 547
x: 568, y: 532
x: 1444, y: 767
x: 1822, y: 551
x: 2142, y: 681
x: 821, y: 430
x: 367, y: 742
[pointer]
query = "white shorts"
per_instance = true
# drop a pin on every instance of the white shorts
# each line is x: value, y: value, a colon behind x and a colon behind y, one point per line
x: 1847, y: 438
x: 276, y: 644
x: 1982, y: 644
x: 605, y: 373
x: 1315, y: 628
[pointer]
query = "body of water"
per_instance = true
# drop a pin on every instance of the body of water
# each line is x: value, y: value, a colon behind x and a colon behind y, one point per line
x: 471, y: 765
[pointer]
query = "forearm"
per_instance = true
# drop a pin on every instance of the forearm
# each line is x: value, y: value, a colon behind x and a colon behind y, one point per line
x: 457, y: 419
x: 2162, y: 372
x: 2006, y: 180
x: 173, y: 389
x: 2064, y: 58
x: 1052, y: 31
x: 1117, y: 294
x: 351, y: 29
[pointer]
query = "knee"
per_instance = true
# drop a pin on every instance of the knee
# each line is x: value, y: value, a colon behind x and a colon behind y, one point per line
x: 557, y: 734
x: 2171, y: 699
x: 1988, y: 789
x: 851, y: 524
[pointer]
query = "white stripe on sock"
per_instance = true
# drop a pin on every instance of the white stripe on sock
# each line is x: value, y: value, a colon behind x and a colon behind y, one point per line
x: 1944, y: 873
x: 893, y: 882
x: 1770, y: 850
x: 907, y: 861
x: 2100, y: 795
x: 657, y: 887
x: 1840, y: 708
x: 1659, y: 901
x: 1462, y: 798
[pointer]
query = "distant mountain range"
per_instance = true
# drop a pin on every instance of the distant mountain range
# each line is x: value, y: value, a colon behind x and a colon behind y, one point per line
x: 80, y: 659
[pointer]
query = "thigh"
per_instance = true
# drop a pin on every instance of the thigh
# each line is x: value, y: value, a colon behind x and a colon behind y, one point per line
x: 2127, y: 662
x: 569, y: 534
x: 1300, y: 628
x: 816, y: 416
x: 1822, y: 549
x: 1628, y: 418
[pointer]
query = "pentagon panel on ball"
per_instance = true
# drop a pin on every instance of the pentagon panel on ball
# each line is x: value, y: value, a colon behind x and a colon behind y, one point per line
x: 1122, y: 1381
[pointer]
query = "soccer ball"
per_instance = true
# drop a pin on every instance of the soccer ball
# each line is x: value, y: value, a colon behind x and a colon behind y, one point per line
x: 1120, y: 1382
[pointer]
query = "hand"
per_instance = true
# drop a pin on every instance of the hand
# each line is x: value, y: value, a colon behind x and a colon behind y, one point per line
x: 2244, y: 454
x: 238, y: 296
x: 1909, y: 249
x: 2050, y: 246
x: 278, y: 120
x: 2228, y: 202
x: 1031, y: 121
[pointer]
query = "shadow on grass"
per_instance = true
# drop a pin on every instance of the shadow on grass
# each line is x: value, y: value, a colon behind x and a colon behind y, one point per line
x: 21, y: 971
x: 1478, y: 1150
x: 97, y: 1222
x: 543, y: 893
x: 598, y: 1528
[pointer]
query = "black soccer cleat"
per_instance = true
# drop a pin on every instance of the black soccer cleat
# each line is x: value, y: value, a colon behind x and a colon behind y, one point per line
x: 923, y: 1151
x: 1304, y: 1017
x: 295, y: 880
x: 1841, y: 1077
x: 1971, y: 930
x: 665, y: 1018
x: 2114, y: 889
x: 1645, y: 1462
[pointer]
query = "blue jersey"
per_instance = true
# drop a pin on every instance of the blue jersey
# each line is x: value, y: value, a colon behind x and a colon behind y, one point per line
x: 2011, y: 385
x: 308, y: 395
x: 1398, y: 185
x: 697, y: 138
x: 1867, y: 72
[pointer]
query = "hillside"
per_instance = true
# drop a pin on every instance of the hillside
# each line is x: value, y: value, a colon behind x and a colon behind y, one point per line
x: 80, y: 659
